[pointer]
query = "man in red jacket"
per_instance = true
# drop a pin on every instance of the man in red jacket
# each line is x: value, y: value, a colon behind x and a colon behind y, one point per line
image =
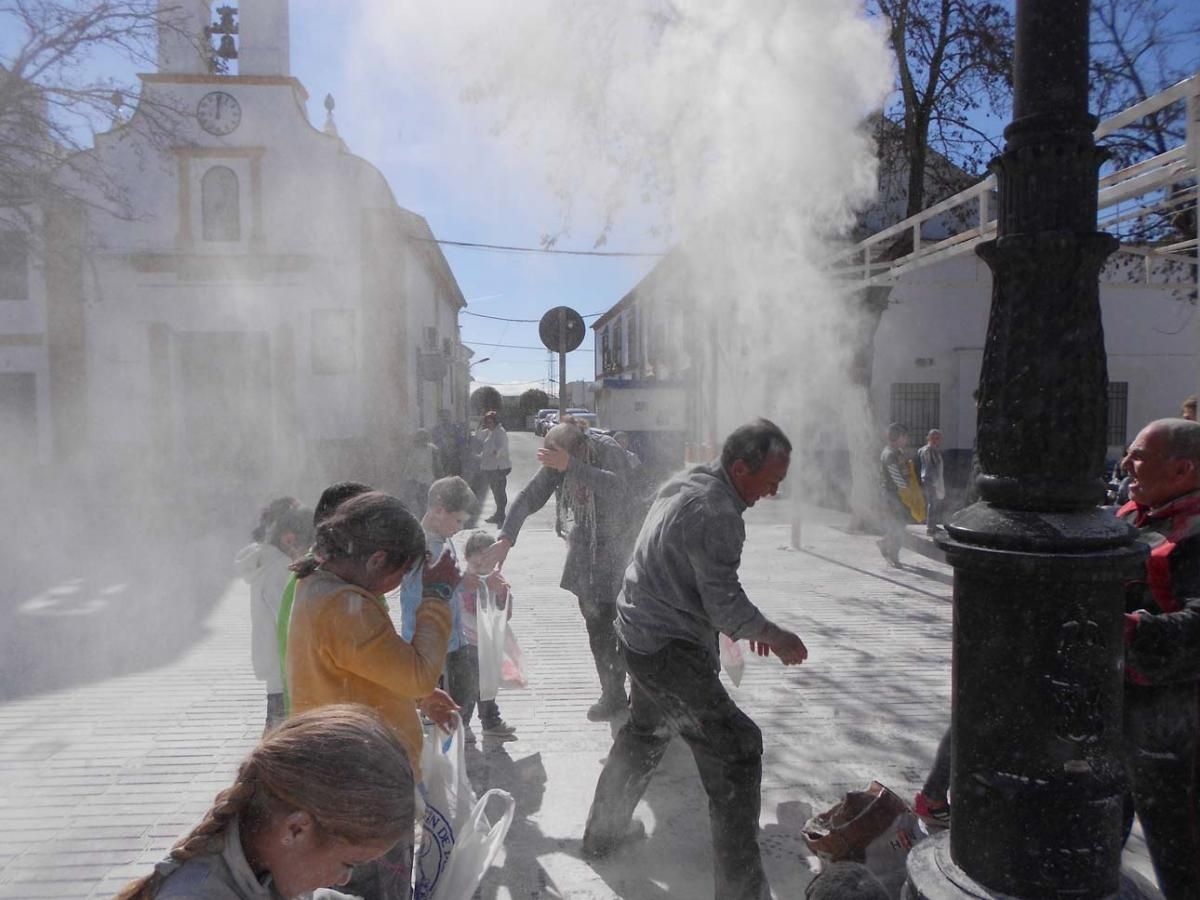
x: 1162, y: 662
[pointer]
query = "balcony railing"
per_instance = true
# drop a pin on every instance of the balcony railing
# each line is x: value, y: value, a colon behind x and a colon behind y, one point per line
x: 1163, y: 185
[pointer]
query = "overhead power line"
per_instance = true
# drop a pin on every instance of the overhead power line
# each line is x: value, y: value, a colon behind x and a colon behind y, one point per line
x: 467, y: 312
x: 472, y: 245
x: 519, y: 346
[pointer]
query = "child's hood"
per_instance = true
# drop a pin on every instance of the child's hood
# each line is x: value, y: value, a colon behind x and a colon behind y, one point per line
x: 253, y: 560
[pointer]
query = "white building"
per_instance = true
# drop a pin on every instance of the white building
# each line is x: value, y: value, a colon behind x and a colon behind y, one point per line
x: 254, y: 301
x: 929, y: 350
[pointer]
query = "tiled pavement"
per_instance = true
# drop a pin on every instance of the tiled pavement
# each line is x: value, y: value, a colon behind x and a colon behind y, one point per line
x: 97, y: 781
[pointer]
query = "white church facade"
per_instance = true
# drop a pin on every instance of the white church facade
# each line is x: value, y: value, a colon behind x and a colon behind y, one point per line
x: 256, y: 302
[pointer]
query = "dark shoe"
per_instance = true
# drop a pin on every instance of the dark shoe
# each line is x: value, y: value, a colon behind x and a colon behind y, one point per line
x: 607, y: 708
x: 497, y: 519
x: 595, y: 849
x: 499, y: 730
x: 468, y: 736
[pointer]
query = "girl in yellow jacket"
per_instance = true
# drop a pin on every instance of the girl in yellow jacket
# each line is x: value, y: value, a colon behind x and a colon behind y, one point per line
x: 343, y: 647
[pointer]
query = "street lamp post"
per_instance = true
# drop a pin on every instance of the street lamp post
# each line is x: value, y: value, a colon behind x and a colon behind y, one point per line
x: 1039, y: 569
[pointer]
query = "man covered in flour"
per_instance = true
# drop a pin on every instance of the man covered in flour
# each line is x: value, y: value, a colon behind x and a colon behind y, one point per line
x: 590, y: 472
x: 681, y: 591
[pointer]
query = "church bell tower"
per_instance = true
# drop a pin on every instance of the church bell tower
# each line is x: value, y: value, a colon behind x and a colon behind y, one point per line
x: 263, y: 48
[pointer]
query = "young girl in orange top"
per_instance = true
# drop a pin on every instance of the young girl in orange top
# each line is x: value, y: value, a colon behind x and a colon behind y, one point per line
x: 343, y: 647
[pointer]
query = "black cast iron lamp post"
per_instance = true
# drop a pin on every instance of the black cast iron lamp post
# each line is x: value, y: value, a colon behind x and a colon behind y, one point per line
x: 1039, y: 569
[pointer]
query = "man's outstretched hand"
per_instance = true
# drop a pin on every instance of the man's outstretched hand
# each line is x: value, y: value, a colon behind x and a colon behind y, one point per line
x: 784, y: 644
x: 493, y: 557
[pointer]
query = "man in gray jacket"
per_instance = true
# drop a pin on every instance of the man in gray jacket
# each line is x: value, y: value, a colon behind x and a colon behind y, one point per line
x: 592, y: 473
x: 681, y: 590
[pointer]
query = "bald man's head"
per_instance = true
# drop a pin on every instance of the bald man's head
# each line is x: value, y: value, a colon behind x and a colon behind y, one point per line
x: 1164, y: 460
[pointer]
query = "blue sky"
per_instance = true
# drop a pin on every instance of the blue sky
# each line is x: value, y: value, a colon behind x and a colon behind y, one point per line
x: 442, y: 163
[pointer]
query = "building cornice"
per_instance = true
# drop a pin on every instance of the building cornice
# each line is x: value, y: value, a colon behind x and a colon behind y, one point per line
x: 185, y: 78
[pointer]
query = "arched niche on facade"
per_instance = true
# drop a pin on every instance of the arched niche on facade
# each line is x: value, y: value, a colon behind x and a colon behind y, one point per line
x: 220, y: 206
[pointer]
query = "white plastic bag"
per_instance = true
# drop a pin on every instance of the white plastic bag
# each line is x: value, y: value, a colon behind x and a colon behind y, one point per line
x: 475, y: 847
x: 732, y: 660
x: 448, y: 804
x: 491, y: 623
x: 457, y: 842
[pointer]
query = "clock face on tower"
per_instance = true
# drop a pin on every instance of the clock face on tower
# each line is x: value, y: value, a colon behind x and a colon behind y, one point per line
x: 218, y: 113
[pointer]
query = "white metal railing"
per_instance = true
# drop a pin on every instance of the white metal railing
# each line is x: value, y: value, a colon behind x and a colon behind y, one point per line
x: 1151, y: 183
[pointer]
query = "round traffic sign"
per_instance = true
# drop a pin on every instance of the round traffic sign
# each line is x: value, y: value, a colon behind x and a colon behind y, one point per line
x: 561, y: 329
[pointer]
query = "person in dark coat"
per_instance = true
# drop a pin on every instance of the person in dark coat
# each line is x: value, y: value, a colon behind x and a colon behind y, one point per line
x: 1162, y: 651
x: 590, y: 473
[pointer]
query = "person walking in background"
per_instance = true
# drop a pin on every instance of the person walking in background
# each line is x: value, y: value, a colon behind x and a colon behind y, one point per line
x: 324, y: 792
x: 452, y: 442
x: 893, y: 478
x: 418, y: 470
x: 343, y: 647
x: 933, y: 482
x: 681, y: 592
x: 1188, y: 410
x: 494, y: 463
x: 264, y: 566
x: 592, y: 472
x: 1162, y: 651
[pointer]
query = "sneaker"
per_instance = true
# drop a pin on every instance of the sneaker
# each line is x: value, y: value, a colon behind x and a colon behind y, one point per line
x: 496, y: 519
x: 595, y: 849
x: 607, y: 708
x: 934, y: 813
x: 500, y: 730
x: 468, y: 736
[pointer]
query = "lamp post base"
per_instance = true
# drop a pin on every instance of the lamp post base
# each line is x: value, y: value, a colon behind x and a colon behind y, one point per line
x: 932, y: 875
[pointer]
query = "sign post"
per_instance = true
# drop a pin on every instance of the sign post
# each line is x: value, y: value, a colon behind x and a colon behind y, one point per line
x: 561, y: 331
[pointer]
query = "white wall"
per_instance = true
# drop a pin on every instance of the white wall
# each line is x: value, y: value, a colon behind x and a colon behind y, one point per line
x: 935, y: 326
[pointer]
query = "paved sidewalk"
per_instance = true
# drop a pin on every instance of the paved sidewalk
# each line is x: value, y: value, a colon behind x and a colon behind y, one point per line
x: 96, y: 782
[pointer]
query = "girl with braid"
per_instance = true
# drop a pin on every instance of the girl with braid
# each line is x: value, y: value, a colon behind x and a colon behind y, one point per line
x: 326, y: 791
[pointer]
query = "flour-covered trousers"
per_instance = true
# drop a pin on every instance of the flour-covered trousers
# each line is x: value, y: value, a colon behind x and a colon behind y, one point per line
x: 677, y: 691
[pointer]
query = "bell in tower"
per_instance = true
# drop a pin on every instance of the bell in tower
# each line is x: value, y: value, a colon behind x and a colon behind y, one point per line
x: 226, y: 27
